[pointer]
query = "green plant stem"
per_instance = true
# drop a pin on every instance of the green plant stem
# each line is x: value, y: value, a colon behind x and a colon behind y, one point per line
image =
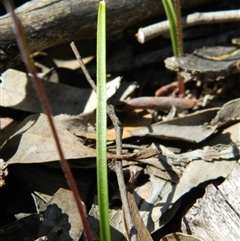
x: 168, y: 7
x: 102, y: 167
x: 174, y: 18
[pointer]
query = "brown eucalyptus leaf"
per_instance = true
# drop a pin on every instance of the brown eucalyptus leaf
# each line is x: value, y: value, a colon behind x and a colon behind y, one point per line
x: 154, y: 193
x: 191, y: 128
x: 229, y: 112
x: 201, y: 171
x: 229, y: 135
x: 134, y: 120
x: 153, y: 200
x: 116, y: 222
x: 33, y: 143
x: 72, y: 63
x: 111, y: 88
x: 7, y: 126
x: 19, y: 93
x: 61, y: 219
x: 191, y: 176
x: 85, y: 122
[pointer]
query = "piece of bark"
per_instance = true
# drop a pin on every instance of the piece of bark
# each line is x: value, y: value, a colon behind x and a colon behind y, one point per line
x: 216, y: 215
x: 202, y: 63
x: 52, y: 22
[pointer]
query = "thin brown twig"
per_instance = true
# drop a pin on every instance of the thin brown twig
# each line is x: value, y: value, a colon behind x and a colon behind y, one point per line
x: 119, y: 173
x: 177, y: 8
x: 20, y: 36
x: 117, y: 163
x: 163, y: 103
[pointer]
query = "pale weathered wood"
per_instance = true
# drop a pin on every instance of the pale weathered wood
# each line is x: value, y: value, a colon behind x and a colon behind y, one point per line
x: 51, y: 22
x: 216, y: 216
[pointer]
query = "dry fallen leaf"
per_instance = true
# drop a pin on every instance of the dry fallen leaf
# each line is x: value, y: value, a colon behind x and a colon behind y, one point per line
x: 179, y: 237
x: 133, y: 121
x: 111, y: 88
x: 33, y: 143
x: 230, y: 134
x: 200, y: 171
x: 61, y: 219
x: 19, y: 93
x: 191, y: 128
x: 155, y: 193
x: 7, y: 126
x: 73, y: 63
x: 229, y: 112
x: 116, y: 222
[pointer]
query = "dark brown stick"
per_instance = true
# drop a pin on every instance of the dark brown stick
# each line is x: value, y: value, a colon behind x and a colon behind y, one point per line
x: 177, y: 8
x: 158, y: 103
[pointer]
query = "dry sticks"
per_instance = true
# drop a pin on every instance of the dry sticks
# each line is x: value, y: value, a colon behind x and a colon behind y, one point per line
x: 152, y: 31
x: 140, y: 60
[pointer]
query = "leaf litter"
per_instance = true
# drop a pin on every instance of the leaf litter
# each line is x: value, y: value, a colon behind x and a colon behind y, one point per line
x: 170, y: 151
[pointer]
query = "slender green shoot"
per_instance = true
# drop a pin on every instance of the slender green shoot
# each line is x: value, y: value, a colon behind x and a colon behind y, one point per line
x: 102, y: 167
x: 174, y: 18
x: 169, y: 10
